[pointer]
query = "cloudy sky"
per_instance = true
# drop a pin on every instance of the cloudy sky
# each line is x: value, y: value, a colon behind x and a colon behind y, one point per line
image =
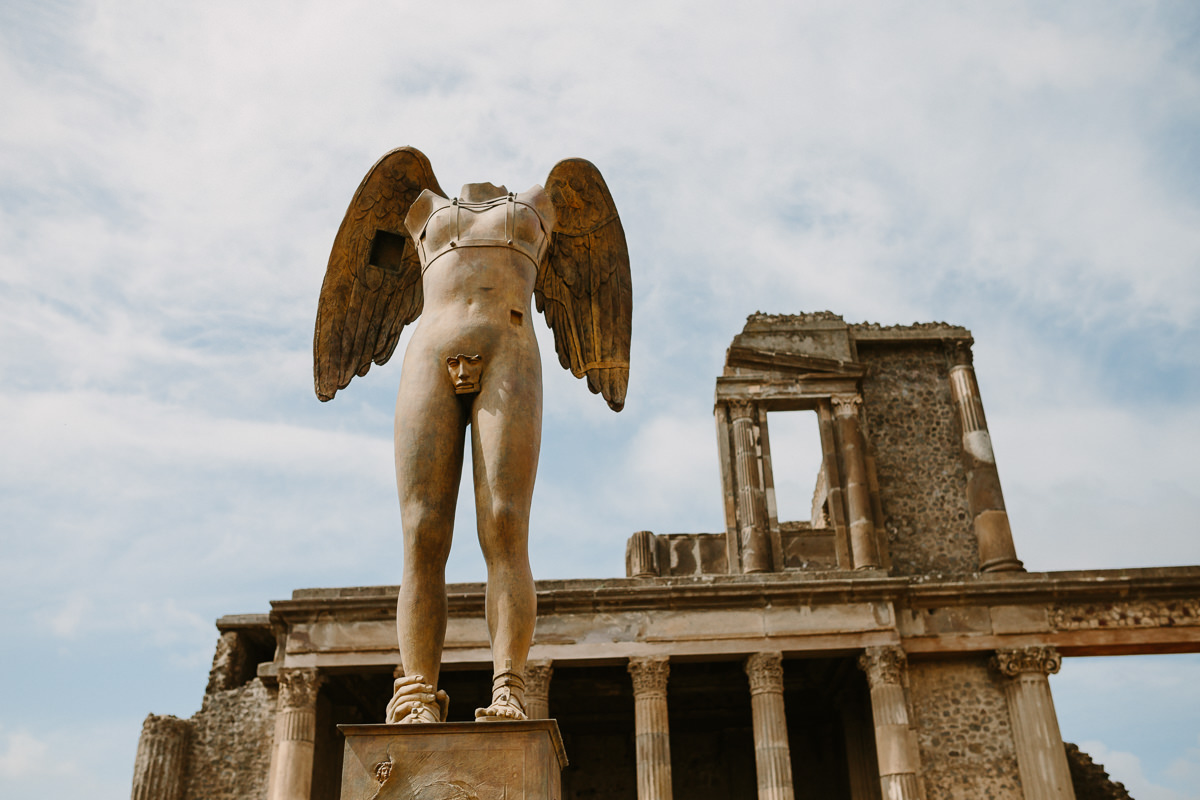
x: 172, y: 175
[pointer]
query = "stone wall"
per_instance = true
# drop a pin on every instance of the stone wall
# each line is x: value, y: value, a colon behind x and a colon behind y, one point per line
x: 913, y: 433
x: 963, y: 729
x: 1090, y: 780
x: 231, y: 744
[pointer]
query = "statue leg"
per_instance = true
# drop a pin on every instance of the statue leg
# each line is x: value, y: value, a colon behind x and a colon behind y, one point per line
x: 430, y: 431
x: 506, y: 428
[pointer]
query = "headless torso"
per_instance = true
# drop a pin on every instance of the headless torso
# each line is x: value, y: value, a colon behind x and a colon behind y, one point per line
x: 472, y: 364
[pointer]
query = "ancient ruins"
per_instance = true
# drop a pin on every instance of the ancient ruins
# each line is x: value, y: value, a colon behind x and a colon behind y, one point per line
x: 892, y: 646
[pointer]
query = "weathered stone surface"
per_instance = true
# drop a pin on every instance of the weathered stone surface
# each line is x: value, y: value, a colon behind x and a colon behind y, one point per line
x: 1090, y: 780
x: 1143, y: 614
x: 453, y: 761
x: 231, y: 744
x: 925, y: 717
x: 913, y: 434
x: 963, y: 729
x: 160, y: 769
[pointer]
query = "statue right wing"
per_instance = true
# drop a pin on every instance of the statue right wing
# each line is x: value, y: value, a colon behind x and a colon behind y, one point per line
x: 372, y: 286
x: 583, y: 285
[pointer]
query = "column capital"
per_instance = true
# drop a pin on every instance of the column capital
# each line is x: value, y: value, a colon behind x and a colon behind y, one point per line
x: 298, y: 687
x: 884, y: 665
x: 537, y: 677
x: 649, y: 675
x: 742, y: 409
x: 958, y: 352
x: 765, y: 671
x: 1036, y: 660
x: 846, y: 405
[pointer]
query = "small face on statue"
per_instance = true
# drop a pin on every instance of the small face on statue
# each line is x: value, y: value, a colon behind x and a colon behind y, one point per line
x: 465, y: 372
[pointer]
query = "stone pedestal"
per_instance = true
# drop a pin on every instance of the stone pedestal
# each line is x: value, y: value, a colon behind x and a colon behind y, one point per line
x: 443, y: 761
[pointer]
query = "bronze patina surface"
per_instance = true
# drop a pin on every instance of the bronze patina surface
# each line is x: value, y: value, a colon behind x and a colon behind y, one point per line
x: 469, y: 267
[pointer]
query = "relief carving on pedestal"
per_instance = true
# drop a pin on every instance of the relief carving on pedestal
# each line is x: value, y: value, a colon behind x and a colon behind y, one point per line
x: 439, y: 776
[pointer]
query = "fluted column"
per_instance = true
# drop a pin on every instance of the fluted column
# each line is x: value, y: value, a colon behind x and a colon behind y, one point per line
x: 863, y: 548
x: 652, y: 735
x: 997, y: 553
x: 895, y: 741
x: 772, y: 756
x: 295, y: 732
x: 537, y: 688
x: 160, y: 768
x: 641, y: 559
x: 1041, y: 755
x: 751, y: 516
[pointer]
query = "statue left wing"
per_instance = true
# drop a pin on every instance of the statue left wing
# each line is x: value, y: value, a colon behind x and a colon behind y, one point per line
x: 583, y: 285
x: 372, y: 286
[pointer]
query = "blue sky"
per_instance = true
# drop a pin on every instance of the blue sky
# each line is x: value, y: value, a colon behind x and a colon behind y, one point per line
x: 173, y: 178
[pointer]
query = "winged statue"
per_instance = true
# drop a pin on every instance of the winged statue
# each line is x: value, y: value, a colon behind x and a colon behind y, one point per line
x: 465, y: 270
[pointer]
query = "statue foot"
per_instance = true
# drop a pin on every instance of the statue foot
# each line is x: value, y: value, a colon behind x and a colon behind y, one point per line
x: 420, y: 714
x: 416, y: 702
x: 508, y: 705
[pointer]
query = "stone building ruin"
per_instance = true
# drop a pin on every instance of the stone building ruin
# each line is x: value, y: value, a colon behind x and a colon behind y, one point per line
x: 893, y: 646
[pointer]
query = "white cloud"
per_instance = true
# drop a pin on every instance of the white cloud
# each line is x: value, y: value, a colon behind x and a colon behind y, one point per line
x: 22, y: 755
x: 173, y: 177
x: 1185, y: 770
x: 1126, y: 768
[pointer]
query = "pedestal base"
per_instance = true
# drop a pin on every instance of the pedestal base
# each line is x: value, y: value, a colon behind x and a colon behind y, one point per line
x: 453, y: 761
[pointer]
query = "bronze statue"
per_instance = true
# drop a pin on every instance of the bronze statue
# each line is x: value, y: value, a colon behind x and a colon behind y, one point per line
x: 468, y: 267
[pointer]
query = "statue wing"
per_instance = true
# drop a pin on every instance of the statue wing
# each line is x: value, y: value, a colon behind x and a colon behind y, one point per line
x: 583, y: 285
x: 372, y: 285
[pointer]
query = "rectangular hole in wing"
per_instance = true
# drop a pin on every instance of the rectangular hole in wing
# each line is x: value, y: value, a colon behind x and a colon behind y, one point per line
x: 515, y: 317
x: 387, y: 250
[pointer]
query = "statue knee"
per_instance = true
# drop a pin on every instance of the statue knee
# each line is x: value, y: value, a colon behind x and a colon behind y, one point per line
x: 427, y: 536
x: 506, y: 536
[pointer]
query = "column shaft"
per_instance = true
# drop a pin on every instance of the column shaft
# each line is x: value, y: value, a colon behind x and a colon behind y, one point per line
x: 295, y: 732
x: 990, y: 518
x: 858, y: 491
x: 751, y: 516
x: 652, y: 734
x: 1041, y: 755
x: 772, y: 755
x: 160, y: 768
x: 895, y: 741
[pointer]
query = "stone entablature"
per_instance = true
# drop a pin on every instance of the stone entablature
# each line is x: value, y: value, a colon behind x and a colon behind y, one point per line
x: 608, y: 621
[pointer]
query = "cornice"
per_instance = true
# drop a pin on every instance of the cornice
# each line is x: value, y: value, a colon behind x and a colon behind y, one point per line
x: 727, y: 592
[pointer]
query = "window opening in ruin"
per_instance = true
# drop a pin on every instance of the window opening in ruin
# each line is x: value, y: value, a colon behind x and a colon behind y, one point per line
x: 795, y: 445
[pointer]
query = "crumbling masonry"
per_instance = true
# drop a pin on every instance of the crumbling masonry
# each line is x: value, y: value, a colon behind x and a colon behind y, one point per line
x: 892, y: 646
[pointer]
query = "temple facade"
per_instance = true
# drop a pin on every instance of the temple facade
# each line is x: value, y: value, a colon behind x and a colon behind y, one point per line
x: 891, y: 646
